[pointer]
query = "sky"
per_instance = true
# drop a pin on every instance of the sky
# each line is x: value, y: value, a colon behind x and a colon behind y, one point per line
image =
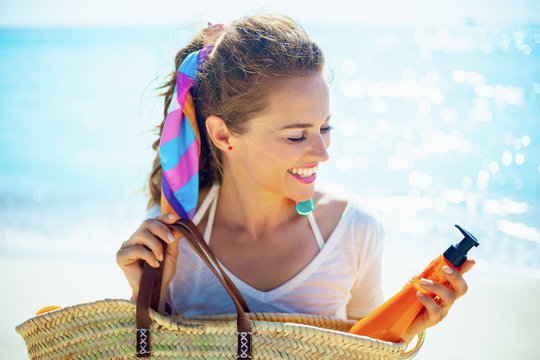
x: 163, y: 12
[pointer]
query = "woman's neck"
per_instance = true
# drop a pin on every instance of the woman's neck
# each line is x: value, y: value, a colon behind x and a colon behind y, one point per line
x: 244, y: 206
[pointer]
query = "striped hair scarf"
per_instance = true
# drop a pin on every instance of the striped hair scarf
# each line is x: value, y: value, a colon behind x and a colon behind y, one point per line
x: 180, y: 143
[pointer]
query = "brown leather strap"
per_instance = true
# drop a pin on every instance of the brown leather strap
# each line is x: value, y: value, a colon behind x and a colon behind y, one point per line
x: 194, y: 238
x: 150, y: 291
x: 145, y: 296
x: 158, y: 301
x: 143, y: 312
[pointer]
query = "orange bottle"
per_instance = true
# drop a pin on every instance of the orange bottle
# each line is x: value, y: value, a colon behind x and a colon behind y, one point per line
x: 47, y: 309
x: 389, y: 321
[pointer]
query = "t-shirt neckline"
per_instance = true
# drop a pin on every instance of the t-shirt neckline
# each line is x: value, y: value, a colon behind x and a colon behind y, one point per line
x: 270, y: 295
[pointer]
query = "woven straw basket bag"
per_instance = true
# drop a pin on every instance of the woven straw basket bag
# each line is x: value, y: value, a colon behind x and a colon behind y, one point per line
x: 121, y: 329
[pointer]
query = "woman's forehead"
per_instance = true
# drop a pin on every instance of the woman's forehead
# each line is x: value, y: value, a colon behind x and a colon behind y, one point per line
x: 301, y: 99
x: 301, y: 86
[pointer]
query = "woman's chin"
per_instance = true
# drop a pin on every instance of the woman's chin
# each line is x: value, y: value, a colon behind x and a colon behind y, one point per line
x: 304, y: 198
x: 298, y: 191
x: 304, y: 195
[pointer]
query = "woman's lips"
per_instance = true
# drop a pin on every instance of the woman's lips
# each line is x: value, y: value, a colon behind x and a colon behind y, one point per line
x: 305, y: 174
x: 305, y: 180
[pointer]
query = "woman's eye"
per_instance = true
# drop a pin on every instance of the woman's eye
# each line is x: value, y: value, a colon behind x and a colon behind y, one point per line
x: 298, y: 139
x: 326, y: 129
x: 323, y: 130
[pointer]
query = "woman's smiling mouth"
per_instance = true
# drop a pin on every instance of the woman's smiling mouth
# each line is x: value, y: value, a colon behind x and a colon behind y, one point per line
x: 304, y: 174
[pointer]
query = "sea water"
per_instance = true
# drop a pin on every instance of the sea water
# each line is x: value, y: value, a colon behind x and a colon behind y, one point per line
x: 432, y: 126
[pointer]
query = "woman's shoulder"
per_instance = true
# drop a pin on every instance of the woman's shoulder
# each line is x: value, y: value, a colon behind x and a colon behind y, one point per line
x: 333, y: 209
x: 329, y: 203
x: 337, y: 204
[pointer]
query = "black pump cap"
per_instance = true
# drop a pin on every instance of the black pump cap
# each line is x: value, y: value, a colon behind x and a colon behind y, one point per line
x: 457, y: 254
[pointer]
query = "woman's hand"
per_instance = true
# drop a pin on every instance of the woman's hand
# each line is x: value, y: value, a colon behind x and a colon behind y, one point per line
x: 435, y: 311
x: 145, y: 245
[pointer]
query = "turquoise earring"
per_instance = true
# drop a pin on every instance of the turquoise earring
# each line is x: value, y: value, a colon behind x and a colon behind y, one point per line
x: 304, y: 207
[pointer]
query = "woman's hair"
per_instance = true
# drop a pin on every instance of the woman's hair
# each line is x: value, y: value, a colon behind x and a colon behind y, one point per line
x: 251, y: 58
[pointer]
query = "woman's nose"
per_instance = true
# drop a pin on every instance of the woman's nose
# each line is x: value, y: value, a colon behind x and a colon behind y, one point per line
x: 319, y: 148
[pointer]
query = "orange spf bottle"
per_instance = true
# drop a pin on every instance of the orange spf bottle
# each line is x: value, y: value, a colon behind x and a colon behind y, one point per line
x: 389, y: 321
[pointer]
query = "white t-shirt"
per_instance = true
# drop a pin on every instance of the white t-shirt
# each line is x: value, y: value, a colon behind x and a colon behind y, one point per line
x: 343, y: 280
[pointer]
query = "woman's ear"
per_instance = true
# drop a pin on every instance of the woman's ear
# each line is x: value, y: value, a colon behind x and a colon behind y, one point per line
x: 218, y: 132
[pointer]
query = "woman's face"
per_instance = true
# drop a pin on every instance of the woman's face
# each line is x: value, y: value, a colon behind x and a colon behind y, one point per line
x: 281, y: 149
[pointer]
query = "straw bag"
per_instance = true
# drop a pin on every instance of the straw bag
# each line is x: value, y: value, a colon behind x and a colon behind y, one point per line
x: 121, y: 329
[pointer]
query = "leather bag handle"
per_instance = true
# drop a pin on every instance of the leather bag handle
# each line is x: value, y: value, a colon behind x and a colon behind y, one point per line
x: 151, y: 294
x: 196, y: 240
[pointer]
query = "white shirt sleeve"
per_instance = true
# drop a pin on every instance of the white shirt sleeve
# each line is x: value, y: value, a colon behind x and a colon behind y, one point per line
x: 366, y: 293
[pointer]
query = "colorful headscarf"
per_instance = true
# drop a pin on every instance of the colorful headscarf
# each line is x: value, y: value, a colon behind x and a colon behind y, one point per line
x: 180, y: 143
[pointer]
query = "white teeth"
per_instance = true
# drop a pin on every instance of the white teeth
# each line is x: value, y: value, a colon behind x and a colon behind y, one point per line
x: 303, y: 172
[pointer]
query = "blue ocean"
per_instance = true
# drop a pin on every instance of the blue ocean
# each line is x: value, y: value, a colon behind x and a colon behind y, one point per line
x: 432, y: 126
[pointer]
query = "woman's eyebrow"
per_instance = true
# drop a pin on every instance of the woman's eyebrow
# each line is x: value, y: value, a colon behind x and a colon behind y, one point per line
x: 301, y: 125
x: 297, y: 126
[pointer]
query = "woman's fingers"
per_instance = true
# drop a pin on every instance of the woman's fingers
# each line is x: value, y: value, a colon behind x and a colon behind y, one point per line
x: 145, y: 244
x: 131, y: 255
x: 129, y: 261
x: 148, y: 236
x: 437, y: 308
x: 457, y: 286
x: 466, y: 266
x: 456, y: 281
x: 158, y: 228
x: 434, y: 310
x: 168, y: 218
x: 446, y: 296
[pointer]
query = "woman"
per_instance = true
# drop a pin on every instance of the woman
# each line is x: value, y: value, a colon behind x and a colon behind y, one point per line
x: 262, y: 108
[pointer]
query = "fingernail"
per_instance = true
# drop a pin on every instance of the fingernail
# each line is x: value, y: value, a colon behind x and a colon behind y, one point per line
x: 425, y: 282
x: 419, y: 294
x: 447, y: 269
x: 172, y: 216
x: 160, y: 257
x: 170, y: 238
x: 156, y: 264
